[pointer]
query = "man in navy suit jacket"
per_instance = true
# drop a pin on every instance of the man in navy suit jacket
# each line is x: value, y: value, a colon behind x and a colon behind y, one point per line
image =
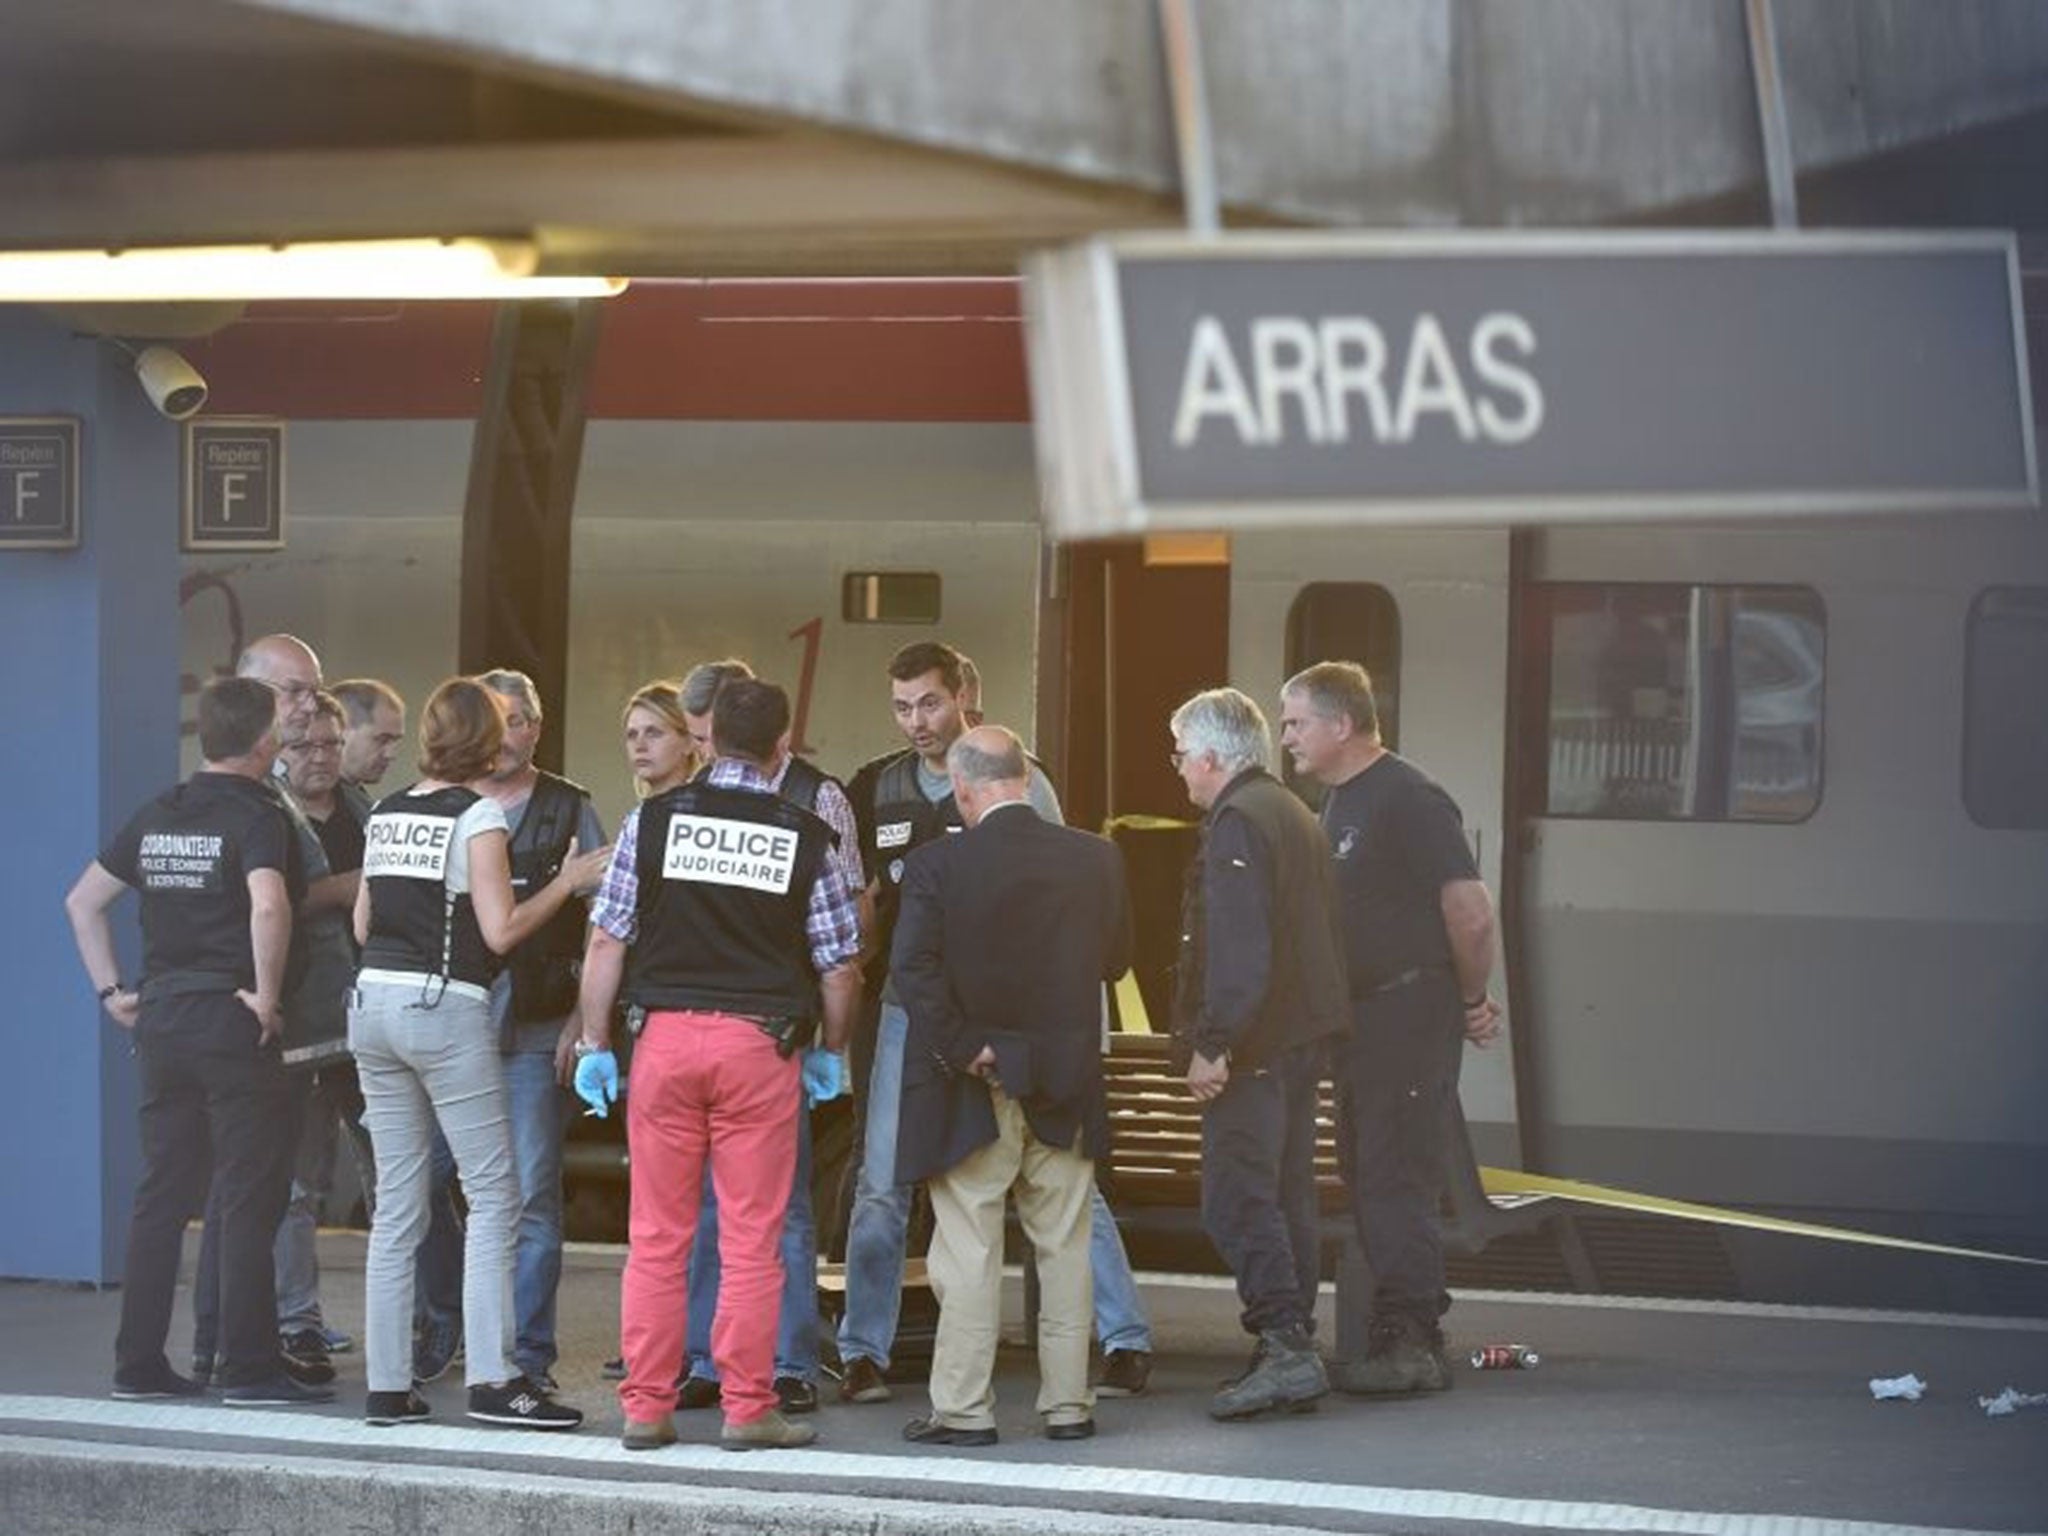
x: 1006, y: 933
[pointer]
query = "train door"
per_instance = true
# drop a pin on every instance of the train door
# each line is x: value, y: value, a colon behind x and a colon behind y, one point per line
x: 1426, y: 612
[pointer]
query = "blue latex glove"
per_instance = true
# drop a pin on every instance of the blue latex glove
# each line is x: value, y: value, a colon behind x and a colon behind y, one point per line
x: 597, y: 1082
x: 824, y: 1076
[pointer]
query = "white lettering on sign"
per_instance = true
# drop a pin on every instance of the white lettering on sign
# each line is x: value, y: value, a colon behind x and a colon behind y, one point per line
x: 1312, y: 372
x: 231, y: 491
x: 410, y: 847
x: 180, y: 861
x: 892, y: 835
x: 720, y: 852
x: 24, y: 493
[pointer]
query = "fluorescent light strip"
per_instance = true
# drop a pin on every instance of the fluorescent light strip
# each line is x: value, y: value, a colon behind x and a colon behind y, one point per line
x: 353, y: 269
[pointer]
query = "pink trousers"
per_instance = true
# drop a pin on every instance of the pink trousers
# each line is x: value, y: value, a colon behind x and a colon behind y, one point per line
x: 706, y: 1085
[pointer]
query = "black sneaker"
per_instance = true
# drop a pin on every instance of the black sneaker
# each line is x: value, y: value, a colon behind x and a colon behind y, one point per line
x: 387, y: 1408
x: 613, y: 1369
x: 308, y: 1373
x: 519, y: 1404
x: 795, y: 1395
x: 278, y: 1392
x: 307, y: 1346
x: 545, y: 1380
x: 156, y: 1386
x: 434, y: 1349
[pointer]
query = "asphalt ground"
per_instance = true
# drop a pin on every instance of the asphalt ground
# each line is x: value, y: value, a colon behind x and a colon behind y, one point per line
x: 1706, y: 1417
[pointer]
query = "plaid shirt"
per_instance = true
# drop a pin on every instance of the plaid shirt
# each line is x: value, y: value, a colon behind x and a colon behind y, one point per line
x: 831, y: 921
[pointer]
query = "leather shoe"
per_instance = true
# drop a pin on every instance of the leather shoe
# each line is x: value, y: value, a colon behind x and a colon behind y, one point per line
x: 932, y: 1432
x: 863, y: 1382
x: 1077, y: 1429
x: 1125, y: 1373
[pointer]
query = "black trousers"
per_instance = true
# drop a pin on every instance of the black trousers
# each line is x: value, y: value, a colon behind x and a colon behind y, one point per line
x: 1396, y: 1074
x: 206, y: 1285
x: 1259, y: 1188
x: 210, y: 1101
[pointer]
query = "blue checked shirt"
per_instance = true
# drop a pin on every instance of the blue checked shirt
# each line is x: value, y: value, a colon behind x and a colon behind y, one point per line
x: 831, y: 921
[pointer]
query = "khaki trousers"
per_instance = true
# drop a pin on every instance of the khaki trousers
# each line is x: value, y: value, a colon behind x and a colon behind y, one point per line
x: 1054, y: 1189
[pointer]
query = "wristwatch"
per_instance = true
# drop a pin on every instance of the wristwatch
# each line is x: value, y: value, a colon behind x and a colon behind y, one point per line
x: 584, y: 1048
x: 109, y: 990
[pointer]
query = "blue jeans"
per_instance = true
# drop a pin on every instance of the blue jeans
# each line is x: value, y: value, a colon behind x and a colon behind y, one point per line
x: 537, y: 1104
x: 880, y: 1225
x: 796, y: 1329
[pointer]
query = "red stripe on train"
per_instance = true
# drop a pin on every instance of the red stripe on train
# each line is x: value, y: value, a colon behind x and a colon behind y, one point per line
x: 765, y: 350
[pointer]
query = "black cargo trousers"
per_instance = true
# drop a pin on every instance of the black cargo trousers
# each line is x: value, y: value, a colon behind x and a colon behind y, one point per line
x: 1396, y: 1072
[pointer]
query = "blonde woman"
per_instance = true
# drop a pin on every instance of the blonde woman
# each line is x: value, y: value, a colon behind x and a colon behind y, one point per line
x: 658, y: 745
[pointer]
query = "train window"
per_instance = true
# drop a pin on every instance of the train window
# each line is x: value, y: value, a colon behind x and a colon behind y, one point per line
x: 1347, y: 621
x: 1679, y: 703
x: 889, y: 597
x: 2005, y: 714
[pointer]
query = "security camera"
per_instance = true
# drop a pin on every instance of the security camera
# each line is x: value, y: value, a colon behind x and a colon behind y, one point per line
x: 173, y: 385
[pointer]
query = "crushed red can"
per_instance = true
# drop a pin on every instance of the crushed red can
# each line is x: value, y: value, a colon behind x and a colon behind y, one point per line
x: 1505, y: 1357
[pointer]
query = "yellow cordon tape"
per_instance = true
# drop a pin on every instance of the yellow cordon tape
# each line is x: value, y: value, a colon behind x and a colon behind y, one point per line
x: 1512, y: 1181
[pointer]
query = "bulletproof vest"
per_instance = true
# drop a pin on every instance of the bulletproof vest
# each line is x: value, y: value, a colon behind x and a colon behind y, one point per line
x: 801, y: 783
x: 897, y: 818
x: 725, y: 880
x: 545, y: 969
x: 321, y: 962
x: 416, y: 922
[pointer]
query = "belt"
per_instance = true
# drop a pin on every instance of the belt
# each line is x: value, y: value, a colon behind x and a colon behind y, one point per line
x: 1407, y: 978
x: 420, y: 980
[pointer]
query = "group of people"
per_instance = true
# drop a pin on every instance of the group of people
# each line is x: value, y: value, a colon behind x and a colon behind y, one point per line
x: 436, y: 972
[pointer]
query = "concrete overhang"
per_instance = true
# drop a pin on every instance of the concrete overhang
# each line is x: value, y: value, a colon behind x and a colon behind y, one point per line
x: 852, y: 136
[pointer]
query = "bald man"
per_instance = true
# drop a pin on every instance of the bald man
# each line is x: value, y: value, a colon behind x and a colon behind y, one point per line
x: 1004, y: 939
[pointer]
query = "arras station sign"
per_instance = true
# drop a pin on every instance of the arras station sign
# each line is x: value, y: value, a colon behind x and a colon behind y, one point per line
x: 1265, y: 379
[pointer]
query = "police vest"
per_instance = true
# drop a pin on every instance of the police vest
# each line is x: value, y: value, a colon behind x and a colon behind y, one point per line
x: 545, y: 968
x: 725, y: 880
x: 416, y: 923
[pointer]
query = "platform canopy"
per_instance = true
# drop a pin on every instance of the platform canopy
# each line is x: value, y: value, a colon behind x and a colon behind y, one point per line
x: 853, y: 136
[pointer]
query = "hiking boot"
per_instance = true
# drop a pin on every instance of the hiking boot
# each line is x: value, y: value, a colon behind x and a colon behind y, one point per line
x: 795, y: 1395
x: 278, y: 1391
x: 1289, y: 1378
x: 434, y: 1348
x: 697, y: 1392
x: 862, y: 1382
x: 770, y: 1432
x: 160, y: 1385
x: 307, y: 1346
x: 1124, y: 1373
x: 648, y: 1434
x: 1258, y: 1358
x: 388, y: 1408
x: 307, y: 1373
x: 1403, y: 1357
x: 519, y: 1404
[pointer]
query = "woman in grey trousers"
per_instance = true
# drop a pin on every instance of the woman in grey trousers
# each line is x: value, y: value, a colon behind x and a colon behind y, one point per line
x: 434, y: 913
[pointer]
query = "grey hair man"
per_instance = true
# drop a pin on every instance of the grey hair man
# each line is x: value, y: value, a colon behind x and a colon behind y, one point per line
x: 1260, y: 990
x: 372, y: 731
x: 1418, y: 933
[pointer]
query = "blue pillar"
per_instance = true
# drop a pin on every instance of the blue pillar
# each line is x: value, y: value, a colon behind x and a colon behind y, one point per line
x: 89, y: 647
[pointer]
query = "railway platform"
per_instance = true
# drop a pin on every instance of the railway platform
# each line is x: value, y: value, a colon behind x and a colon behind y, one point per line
x: 1714, y: 1418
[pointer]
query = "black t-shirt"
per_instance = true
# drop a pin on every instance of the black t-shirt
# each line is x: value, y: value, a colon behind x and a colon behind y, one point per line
x: 341, y: 835
x: 190, y: 852
x: 1397, y: 840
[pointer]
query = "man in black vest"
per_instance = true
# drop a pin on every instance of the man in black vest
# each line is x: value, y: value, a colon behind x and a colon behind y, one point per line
x: 533, y: 1002
x: 1419, y: 941
x: 1260, y: 990
x: 809, y: 788
x: 215, y: 864
x: 732, y: 932
x: 903, y: 800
